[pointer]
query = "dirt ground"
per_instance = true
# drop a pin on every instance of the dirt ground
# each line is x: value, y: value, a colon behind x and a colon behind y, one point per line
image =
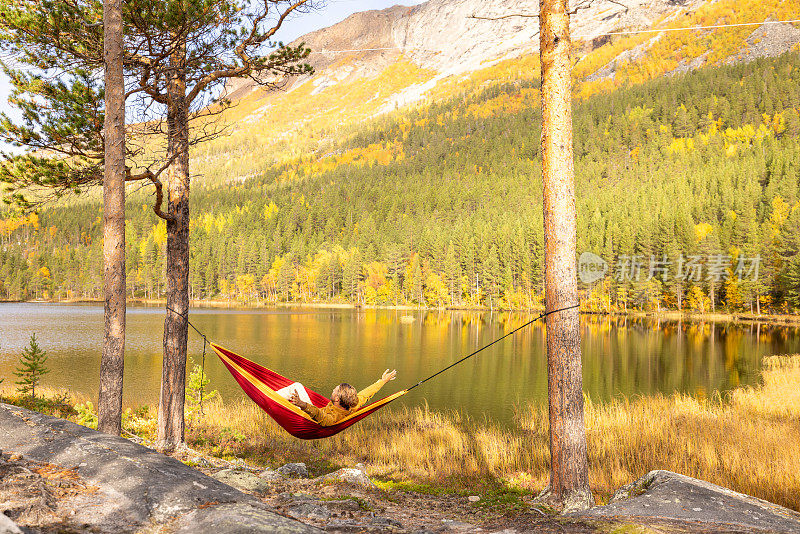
x: 357, y: 509
x: 40, y: 497
x: 43, y: 498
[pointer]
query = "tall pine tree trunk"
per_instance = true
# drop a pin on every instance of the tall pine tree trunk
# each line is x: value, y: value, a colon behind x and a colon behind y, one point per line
x: 173, y: 374
x: 569, y: 473
x: 109, y: 404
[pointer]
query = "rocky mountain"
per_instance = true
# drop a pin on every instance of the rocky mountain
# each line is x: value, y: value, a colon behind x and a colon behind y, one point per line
x: 446, y: 37
x: 377, y: 62
x: 451, y: 38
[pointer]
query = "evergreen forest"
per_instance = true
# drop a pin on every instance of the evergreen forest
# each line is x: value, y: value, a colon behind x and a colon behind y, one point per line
x: 687, y: 186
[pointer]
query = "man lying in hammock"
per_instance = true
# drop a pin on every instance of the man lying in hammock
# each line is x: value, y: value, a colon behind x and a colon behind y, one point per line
x: 344, y: 401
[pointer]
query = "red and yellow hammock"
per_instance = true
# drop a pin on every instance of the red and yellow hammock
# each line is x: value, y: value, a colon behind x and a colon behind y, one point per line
x: 261, y: 384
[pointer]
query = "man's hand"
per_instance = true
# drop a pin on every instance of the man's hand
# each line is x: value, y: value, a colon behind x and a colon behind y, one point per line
x: 389, y: 375
x: 295, y: 399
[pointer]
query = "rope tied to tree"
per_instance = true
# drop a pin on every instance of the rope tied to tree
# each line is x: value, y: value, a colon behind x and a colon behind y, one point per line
x: 202, y: 374
x: 203, y: 361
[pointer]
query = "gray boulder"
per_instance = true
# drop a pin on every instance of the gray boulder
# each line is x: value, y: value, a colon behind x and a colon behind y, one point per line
x: 349, y: 475
x: 238, y: 519
x: 344, y: 506
x: 7, y: 526
x: 376, y: 525
x: 290, y: 497
x: 459, y: 526
x: 194, y: 460
x: 298, y: 470
x: 346, y: 525
x: 243, y: 480
x: 309, y: 510
x: 672, y: 496
x: 386, y: 523
x: 270, y: 475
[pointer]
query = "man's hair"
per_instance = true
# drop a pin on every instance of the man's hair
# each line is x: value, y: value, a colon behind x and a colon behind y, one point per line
x: 348, y: 396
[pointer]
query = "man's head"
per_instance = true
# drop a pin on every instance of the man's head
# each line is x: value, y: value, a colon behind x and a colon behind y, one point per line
x: 345, y: 396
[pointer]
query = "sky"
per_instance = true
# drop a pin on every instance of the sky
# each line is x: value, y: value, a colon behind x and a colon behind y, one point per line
x: 333, y: 11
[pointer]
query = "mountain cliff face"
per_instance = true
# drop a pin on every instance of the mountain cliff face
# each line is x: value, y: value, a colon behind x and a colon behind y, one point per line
x: 381, y: 61
x: 447, y: 38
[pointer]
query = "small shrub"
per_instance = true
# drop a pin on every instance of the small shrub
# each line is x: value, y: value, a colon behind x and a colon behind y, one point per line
x: 197, y: 393
x: 140, y: 421
x: 87, y: 416
x: 31, y: 368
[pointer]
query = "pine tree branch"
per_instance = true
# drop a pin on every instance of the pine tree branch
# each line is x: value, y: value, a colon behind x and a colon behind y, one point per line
x: 285, y: 14
x: 586, y: 4
x: 511, y: 15
x: 253, y: 40
x: 153, y: 177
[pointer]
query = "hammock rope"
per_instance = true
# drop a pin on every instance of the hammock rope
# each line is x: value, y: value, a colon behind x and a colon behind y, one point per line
x: 499, y: 339
x: 261, y: 385
x: 202, y: 375
x: 206, y: 342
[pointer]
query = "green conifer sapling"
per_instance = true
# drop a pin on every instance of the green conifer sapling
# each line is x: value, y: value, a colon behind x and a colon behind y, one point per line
x: 31, y: 368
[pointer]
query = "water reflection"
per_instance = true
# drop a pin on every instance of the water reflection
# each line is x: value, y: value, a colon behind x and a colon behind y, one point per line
x: 321, y: 348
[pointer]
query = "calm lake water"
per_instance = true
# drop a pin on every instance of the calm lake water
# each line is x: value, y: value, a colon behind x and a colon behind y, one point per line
x: 321, y: 348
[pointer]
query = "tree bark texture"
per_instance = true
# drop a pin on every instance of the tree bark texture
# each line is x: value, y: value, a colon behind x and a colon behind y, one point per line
x: 569, y: 473
x: 109, y: 404
x: 173, y: 376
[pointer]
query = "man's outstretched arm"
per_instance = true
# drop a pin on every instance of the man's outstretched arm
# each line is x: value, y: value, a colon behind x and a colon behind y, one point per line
x: 367, y: 393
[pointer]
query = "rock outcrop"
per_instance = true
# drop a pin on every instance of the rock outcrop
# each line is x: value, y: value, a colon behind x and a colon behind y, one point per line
x: 453, y: 37
x: 7, y: 526
x: 295, y: 470
x: 243, y: 480
x: 137, y: 487
x: 769, y: 40
x: 671, y: 496
x: 349, y: 475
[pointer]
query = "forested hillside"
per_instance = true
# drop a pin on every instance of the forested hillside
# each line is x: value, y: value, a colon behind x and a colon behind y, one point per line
x: 441, y: 206
x: 314, y: 115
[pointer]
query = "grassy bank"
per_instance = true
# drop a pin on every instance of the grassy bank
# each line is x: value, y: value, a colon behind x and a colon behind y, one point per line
x: 746, y: 440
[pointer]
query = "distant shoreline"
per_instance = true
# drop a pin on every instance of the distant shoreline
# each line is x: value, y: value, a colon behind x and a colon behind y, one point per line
x: 667, y: 315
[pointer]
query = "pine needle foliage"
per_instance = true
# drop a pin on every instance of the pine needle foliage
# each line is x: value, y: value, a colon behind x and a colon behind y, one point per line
x: 31, y: 368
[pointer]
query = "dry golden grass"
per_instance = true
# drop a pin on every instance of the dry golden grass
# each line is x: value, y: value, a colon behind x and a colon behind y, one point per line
x: 746, y: 441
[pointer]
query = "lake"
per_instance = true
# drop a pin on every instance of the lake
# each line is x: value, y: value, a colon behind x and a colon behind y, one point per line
x: 322, y: 347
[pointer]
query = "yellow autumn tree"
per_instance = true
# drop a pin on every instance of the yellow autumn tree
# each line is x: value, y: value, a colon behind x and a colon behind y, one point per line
x: 436, y: 292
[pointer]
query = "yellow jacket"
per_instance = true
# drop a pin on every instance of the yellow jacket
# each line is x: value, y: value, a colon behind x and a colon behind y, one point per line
x: 332, y: 414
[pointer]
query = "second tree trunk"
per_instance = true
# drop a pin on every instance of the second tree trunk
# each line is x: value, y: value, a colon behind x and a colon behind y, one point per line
x: 569, y: 478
